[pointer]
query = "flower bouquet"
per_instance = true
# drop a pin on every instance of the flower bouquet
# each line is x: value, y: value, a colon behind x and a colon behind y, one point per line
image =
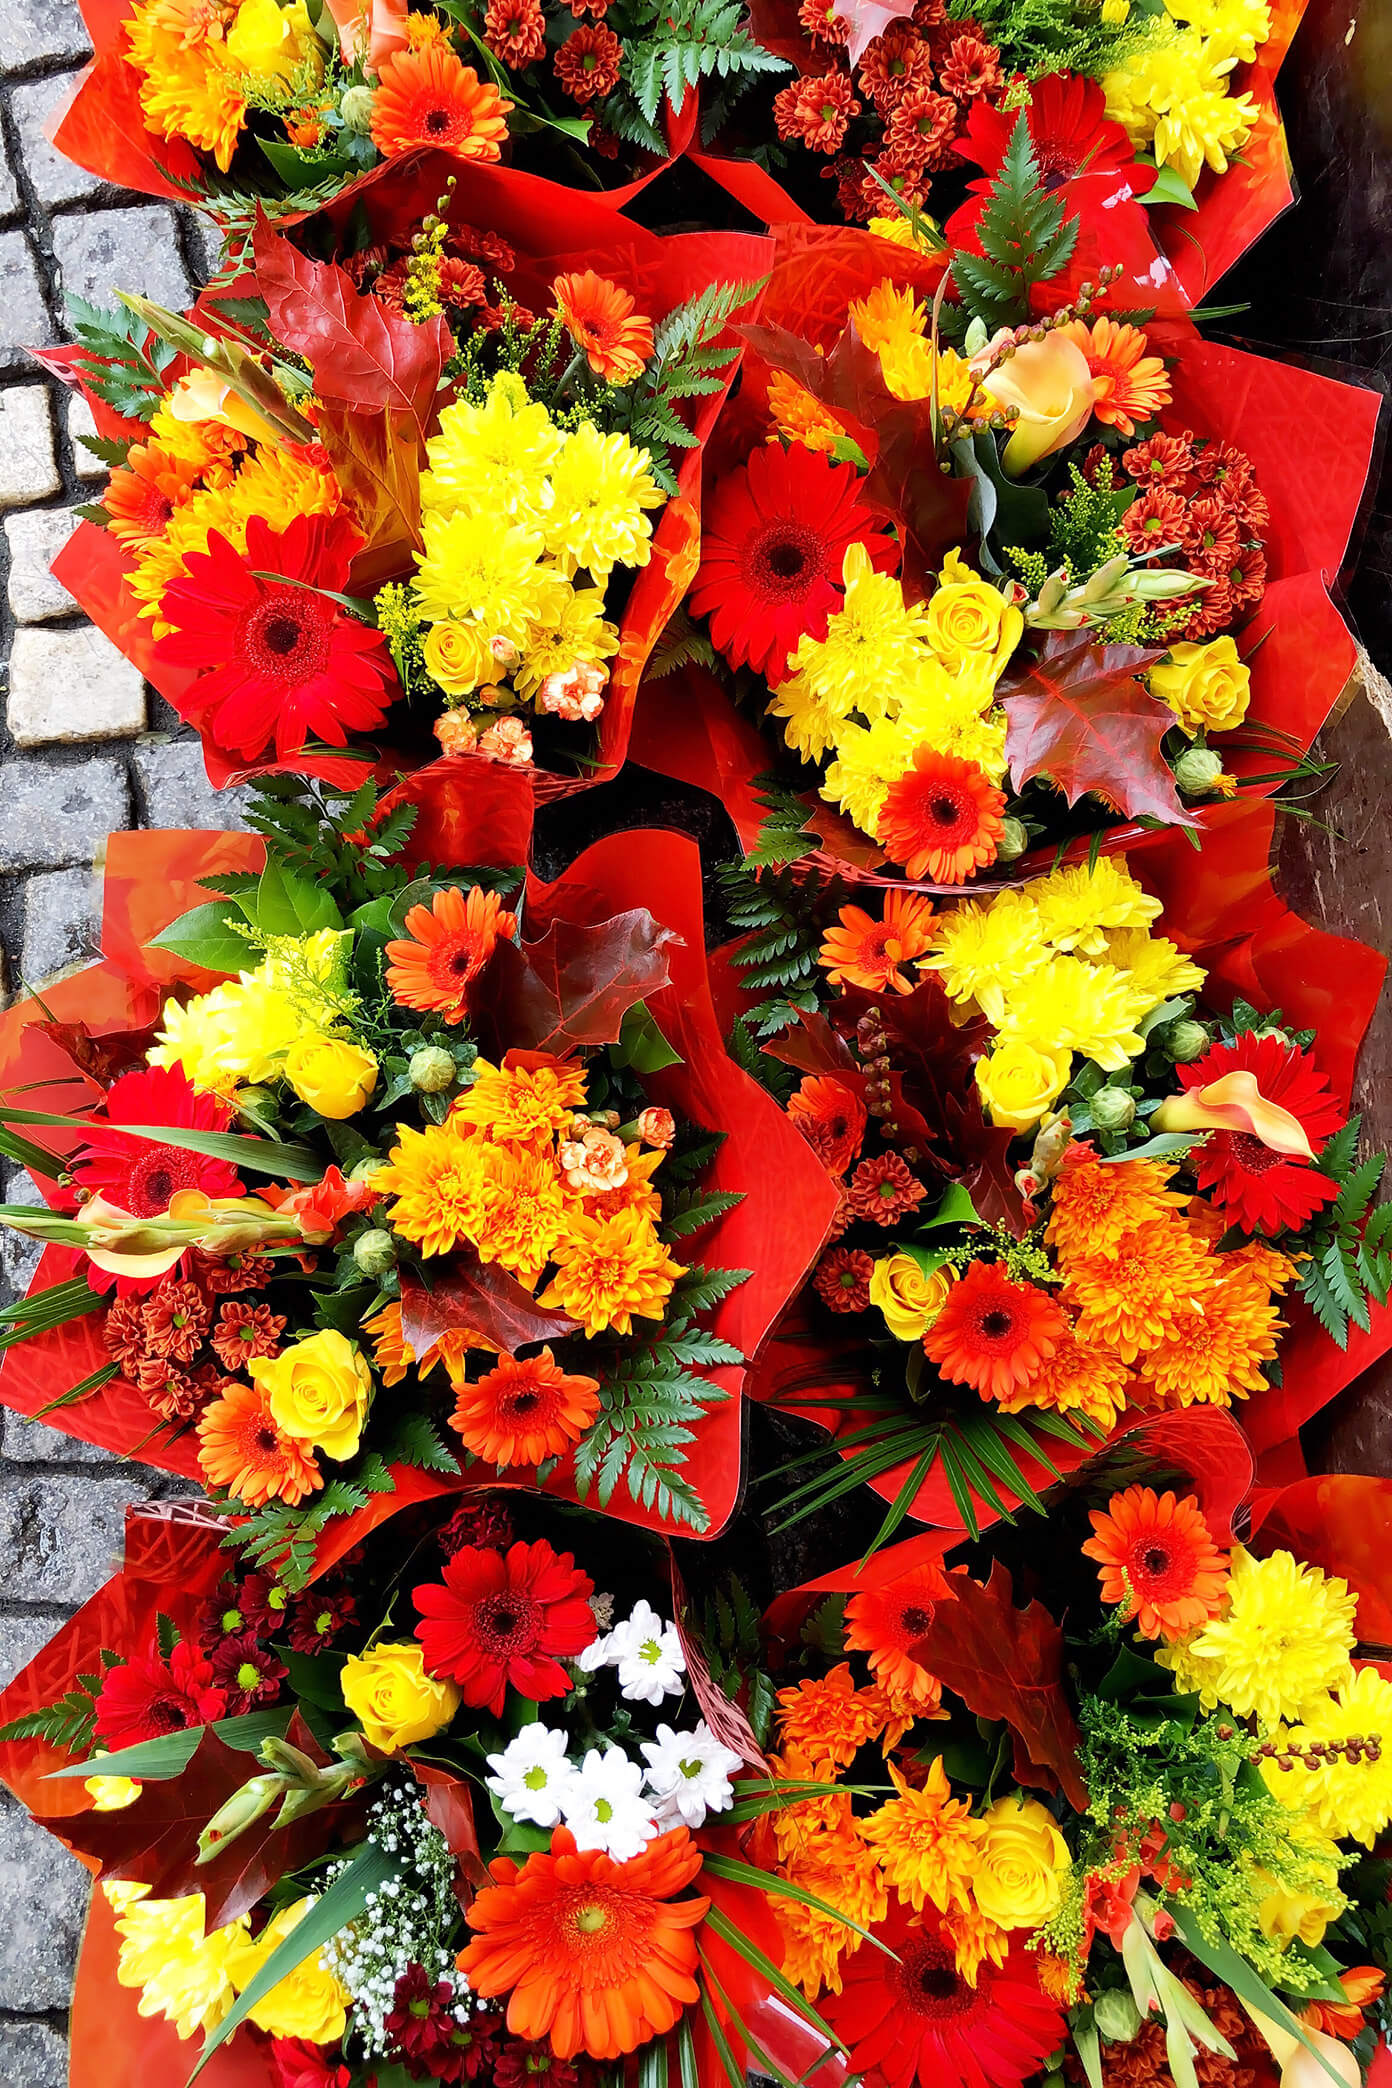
x: 443, y: 495
x: 397, y: 1181
x: 478, y: 1811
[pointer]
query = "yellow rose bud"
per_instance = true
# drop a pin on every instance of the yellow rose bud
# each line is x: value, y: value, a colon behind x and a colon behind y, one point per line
x: 1206, y: 686
x: 331, y: 1075
x: 458, y: 656
x: 909, y: 1300
x: 967, y: 617
x: 1285, y: 1914
x: 392, y: 1697
x: 319, y: 1390
x: 309, y: 2002
x: 1018, y: 1082
x: 1023, y: 1862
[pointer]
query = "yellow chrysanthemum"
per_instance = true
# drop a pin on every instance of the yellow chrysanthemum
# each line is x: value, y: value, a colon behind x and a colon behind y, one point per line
x: 1173, y: 96
x: 1134, y: 1299
x: 838, y: 1869
x: 609, y: 1269
x: 519, y: 1210
x: 810, y: 720
x: 309, y: 2002
x: 490, y: 567
x: 900, y: 230
x: 875, y: 637
x: 188, y: 86
x: 600, y: 488
x: 1281, y: 1644
x: 984, y: 950
x: 1155, y: 969
x: 868, y: 759
x: 522, y: 1104
x: 1242, y: 25
x: 1069, y: 1004
x: 1349, y: 1801
x: 1080, y: 902
x: 573, y: 633
x: 928, y: 1844
x: 494, y: 458
x: 434, y: 1175
x: 184, y: 1975
x: 272, y: 483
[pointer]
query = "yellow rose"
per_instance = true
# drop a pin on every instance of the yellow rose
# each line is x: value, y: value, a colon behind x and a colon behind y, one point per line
x: 1018, y: 1082
x: 309, y: 2002
x: 909, y: 1300
x: 1023, y: 1861
x: 1285, y: 1914
x: 393, y: 1698
x: 271, y: 41
x: 331, y: 1075
x: 459, y: 657
x: 1051, y: 388
x: 1206, y: 686
x: 319, y: 1390
x: 969, y: 617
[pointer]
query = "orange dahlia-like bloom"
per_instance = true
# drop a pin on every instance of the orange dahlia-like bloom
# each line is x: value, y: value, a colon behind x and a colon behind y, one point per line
x: 595, y: 1956
x: 827, y: 1718
x: 1217, y: 1344
x: 837, y: 1868
x: 831, y: 1117
x: 425, y: 96
x: 526, y: 1409
x: 887, y: 1622
x: 450, y: 942
x: 860, y: 951
x: 1079, y: 1377
x: 994, y: 1333
x: 799, y: 417
x: 604, y: 320
x: 1134, y: 1299
x: 608, y: 1269
x: 1131, y: 386
x: 942, y: 819
x: 525, y: 1099
x: 927, y: 1841
x: 1097, y: 1203
x: 241, y: 1447
x: 144, y: 492
x: 1159, y: 1559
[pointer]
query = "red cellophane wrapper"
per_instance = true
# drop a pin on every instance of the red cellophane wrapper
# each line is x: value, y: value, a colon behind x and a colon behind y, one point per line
x: 776, y: 1230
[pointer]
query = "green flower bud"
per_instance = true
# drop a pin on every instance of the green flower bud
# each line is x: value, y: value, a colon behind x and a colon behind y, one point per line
x: 1269, y: 1030
x: 1198, y: 769
x: 1183, y: 1040
x: 255, y: 1101
x: 1118, y: 2017
x: 1013, y: 842
x: 977, y: 335
x: 356, y: 110
x: 375, y: 1252
x: 1113, y: 1109
x: 363, y: 1170
x: 432, y: 1069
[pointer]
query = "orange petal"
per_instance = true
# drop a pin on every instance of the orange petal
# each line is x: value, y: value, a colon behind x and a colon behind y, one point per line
x: 1236, y: 1103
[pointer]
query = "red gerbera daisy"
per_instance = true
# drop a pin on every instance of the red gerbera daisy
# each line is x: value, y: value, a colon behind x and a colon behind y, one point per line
x: 831, y: 1117
x: 943, y: 819
x: 918, y: 2020
x: 994, y: 1333
x: 1069, y: 129
x: 1260, y: 1190
x: 138, y: 1175
x: 1158, y: 1557
x: 505, y: 1620
x: 773, y: 540
x: 291, y: 665
x: 148, y: 1697
x: 300, y: 2064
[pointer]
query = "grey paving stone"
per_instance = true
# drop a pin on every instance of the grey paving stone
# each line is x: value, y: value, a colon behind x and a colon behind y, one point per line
x: 71, y: 686
x: 44, y: 1893
x: 61, y: 1536
x: 108, y: 250
x: 19, y: 1257
x: 24, y: 320
x: 52, y: 816
x: 62, y: 919
x: 33, y: 29
x: 23, y: 1636
x: 28, y: 467
x: 32, y: 2055
x: 55, y: 179
x: 36, y: 536
x: 9, y: 192
x: 89, y: 469
x: 177, y: 793
x: 35, y: 1443
x: 207, y: 245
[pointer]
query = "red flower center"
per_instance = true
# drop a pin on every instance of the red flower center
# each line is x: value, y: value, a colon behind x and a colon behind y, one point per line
x: 285, y: 640
x: 168, y: 1715
x: 454, y: 959
x: 508, y: 1624
x: 783, y: 560
x: 154, y: 1179
x: 929, y: 1982
x: 954, y: 817
x: 996, y: 1329
x: 1160, y: 1570
x: 1251, y: 1155
x: 914, y: 1621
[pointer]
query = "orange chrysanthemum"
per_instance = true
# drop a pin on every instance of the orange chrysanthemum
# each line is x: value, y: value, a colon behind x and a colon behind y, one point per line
x: 523, y: 1101
x: 1130, y: 385
x: 886, y: 1622
x: 1136, y: 1298
x: 1079, y: 1378
x: 1217, y: 1344
x: 393, y: 1354
x: 451, y: 941
x: 798, y: 417
x: 828, y: 1718
x: 837, y: 1868
x: 863, y: 952
x: 425, y: 96
x: 927, y: 1842
x: 144, y: 492
x: 1097, y: 1203
x: 241, y: 1447
x: 636, y: 1192
x: 831, y: 1117
x: 604, y: 320
x: 608, y: 1269
x: 595, y: 1956
x: 994, y: 1333
x: 1158, y: 1558
x: 942, y: 819
x: 526, y: 1409
x: 793, y: 1824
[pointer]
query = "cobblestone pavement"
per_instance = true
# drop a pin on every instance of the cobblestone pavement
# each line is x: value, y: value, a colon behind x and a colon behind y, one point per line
x: 86, y: 749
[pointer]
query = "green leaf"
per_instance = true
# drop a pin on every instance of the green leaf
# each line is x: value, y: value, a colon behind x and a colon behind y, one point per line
x: 298, y: 1163
x: 769, y: 1881
x: 204, y: 936
x: 1168, y: 187
x: 288, y: 904
x: 641, y: 1044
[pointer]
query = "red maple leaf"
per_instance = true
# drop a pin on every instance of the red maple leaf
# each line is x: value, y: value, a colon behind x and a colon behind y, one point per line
x: 102, y: 1058
x: 575, y: 984
x: 483, y: 1297
x: 1081, y: 715
x: 1007, y: 1663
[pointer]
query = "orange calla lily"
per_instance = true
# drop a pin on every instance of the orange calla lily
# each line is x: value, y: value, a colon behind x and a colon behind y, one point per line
x: 1236, y: 1103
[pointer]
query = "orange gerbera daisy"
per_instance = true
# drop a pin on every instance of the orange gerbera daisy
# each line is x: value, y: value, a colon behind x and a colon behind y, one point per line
x: 595, y: 1956
x: 1159, y: 1559
x: 144, y: 492
x: 886, y: 1622
x: 1130, y: 385
x: 604, y: 320
x: 1097, y: 1203
x: 1079, y: 1377
x: 1362, y: 1985
x: 943, y: 819
x: 451, y: 940
x: 525, y: 1099
x: 831, y: 1117
x: 1134, y: 1299
x: 241, y: 1447
x: 526, y: 1409
x: 425, y: 96
x: 864, y: 952
x: 927, y: 1841
x: 827, y: 1718
x: 994, y: 1333
x: 608, y: 1269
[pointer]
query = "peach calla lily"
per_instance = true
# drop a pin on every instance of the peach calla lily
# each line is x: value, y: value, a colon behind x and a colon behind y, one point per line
x: 1236, y: 1103
x: 1052, y: 390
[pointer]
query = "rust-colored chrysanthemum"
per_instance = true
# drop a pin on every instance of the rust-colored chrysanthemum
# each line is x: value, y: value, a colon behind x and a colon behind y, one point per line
x: 450, y: 942
x: 942, y: 819
x: 595, y: 1956
x: 842, y: 1281
x: 175, y: 1319
x: 525, y: 1409
x: 860, y: 951
x: 244, y: 1331
x: 603, y: 319
x: 1158, y: 1558
x: 831, y: 1117
x: 882, y: 1189
x: 816, y: 110
x: 241, y: 1447
x: 887, y: 1622
x: 426, y: 96
x: 587, y: 64
x: 515, y: 31
x: 992, y: 1332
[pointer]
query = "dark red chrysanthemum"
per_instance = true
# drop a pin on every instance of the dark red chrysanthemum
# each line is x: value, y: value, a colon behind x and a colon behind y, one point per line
x: 249, y: 1674
x: 290, y: 664
x: 148, y: 1697
x: 842, y: 1281
x: 484, y: 1523
x: 319, y: 1617
x: 434, y: 2044
x: 1161, y: 460
x: 504, y: 1620
x: 1257, y: 1189
x: 175, y: 1319
x: 1069, y: 129
x: 773, y: 539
